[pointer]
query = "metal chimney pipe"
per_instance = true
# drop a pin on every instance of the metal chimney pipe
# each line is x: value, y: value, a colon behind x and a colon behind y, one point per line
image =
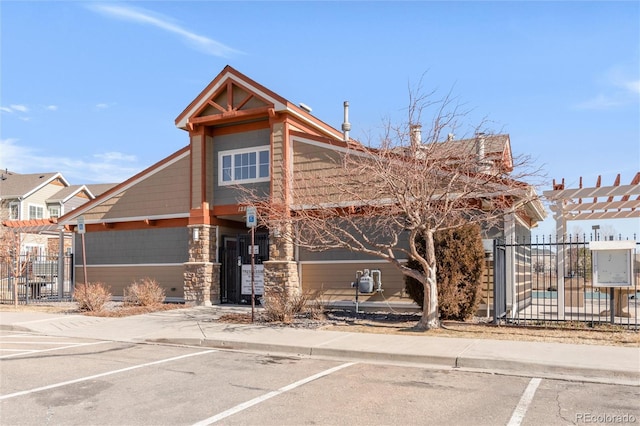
x: 416, y: 135
x: 480, y: 148
x: 480, y: 152
x: 346, y: 126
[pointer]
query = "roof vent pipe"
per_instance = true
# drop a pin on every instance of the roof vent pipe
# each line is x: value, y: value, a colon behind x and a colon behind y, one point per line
x: 480, y: 152
x: 416, y: 135
x: 346, y: 126
x: 480, y: 147
x: 305, y: 107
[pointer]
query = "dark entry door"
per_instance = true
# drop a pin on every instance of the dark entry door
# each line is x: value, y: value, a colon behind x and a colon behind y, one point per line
x: 230, y: 282
x: 235, y: 253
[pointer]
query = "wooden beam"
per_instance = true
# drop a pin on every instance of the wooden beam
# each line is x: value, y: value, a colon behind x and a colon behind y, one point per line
x: 244, y: 101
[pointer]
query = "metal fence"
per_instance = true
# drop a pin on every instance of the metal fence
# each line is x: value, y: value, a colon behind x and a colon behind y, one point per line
x: 531, y: 288
x: 33, y: 279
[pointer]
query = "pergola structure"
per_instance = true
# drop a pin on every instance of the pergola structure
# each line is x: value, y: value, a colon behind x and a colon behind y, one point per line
x: 590, y: 203
x: 597, y: 202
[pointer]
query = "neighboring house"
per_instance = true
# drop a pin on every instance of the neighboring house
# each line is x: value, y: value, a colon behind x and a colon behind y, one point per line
x: 33, y: 202
x: 543, y: 261
x: 181, y: 221
x: 37, y: 200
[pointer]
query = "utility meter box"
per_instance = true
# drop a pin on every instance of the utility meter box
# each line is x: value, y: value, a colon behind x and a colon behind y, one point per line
x: 612, y: 263
x: 365, y: 284
x: 368, y: 281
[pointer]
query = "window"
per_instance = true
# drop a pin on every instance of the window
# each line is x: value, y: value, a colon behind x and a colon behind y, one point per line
x: 14, y: 211
x: 244, y: 166
x: 36, y: 212
x: 54, y: 211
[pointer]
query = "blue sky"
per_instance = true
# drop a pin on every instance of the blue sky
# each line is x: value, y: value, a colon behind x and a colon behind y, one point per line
x: 91, y: 89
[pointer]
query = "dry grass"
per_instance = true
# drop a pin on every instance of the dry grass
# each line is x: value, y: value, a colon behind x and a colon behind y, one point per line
x: 384, y: 325
x: 144, y: 293
x: 91, y: 297
x: 110, y: 309
x: 489, y: 331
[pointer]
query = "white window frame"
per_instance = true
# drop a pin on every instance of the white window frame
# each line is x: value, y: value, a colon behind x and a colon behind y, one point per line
x: 17, y: 210
x: 36, y: 206
x: 54, y: 210
x: 232, y: 154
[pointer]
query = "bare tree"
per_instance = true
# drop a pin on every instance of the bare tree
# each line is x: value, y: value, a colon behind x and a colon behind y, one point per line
x: 10, y: 255
x: 385, y: 201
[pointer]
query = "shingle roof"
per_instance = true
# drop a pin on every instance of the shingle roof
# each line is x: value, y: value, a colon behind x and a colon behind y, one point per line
x: 65, y: 193
x: 100, y: 188
x: 15, y: 185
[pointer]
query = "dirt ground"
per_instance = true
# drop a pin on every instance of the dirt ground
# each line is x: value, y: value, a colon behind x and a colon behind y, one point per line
x: 390, y: 323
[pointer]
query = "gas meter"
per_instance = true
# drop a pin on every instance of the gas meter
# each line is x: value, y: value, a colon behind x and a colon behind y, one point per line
x: 365, y: 282
x: 366, y: 279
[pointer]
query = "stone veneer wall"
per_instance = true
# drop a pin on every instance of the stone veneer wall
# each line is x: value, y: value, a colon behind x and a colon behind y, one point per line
x: 281, y: 271
x: 281, y: 276
x: 201, y: 272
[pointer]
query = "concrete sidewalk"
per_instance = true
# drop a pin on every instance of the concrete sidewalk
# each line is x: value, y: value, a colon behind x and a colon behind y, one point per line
x: 198, y: 327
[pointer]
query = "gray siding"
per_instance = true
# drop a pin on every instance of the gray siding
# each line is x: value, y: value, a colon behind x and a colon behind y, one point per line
x: 73, y: 203
x: 341, y: 254
x: 223, y: 195
x: 163, y: 245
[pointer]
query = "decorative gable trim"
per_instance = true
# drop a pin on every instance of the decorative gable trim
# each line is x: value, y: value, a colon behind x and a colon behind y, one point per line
x: 221, y: 108
x: 228, y: 77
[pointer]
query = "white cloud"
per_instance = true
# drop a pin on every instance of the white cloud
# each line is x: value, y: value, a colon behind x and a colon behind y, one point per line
x: 115, y: 156
x: 618, y: 90
x: 102, y: 106
x: 146, y: 17
x: 633, y: 86
x: 51, y: 107
x: 108, y: 168
x: 20, y: 108
x: 5, y: 109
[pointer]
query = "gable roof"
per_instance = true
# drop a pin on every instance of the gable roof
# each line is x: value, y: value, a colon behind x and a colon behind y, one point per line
x: 232, y: 95
x: 69, y: 192
x: 16, y: 185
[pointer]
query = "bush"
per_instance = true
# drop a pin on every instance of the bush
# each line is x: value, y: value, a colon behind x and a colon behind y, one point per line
x: 281, y: 307
x: 146, y: 292
x: 459, y: 261
x: 92, y: 296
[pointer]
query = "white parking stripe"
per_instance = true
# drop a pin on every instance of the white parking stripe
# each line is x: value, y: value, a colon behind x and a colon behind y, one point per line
x: 95, y: 376
x: 31, y: 342
x: 254, y: 401
x: 525, y: 400
x: 37, y: 351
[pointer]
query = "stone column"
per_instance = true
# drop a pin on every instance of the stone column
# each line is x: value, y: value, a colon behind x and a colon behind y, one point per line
x: 281, y: 270
x: 202, y: 272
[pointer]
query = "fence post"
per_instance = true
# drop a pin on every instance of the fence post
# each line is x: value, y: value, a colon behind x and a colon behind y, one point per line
x: 60, y: 264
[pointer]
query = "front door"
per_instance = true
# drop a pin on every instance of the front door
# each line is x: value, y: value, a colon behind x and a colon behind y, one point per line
x: 230, y: 276
x: 236, y: 257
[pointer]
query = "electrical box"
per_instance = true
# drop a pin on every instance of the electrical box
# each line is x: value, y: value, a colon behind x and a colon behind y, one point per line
x: 612, y: 263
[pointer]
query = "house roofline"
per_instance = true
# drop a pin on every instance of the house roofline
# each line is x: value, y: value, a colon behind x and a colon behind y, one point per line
x: 118, y: 189
x: 280, y: 104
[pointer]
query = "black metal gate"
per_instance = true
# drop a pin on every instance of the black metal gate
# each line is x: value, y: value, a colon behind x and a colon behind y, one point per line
x: 235, y: 252
x: 36, y: 279
x: 545, y: 282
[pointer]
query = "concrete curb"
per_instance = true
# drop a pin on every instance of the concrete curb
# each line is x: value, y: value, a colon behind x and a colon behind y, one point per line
x: 474, y: 364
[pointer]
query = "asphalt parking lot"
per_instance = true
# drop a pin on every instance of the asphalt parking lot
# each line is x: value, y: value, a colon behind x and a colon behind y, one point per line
x: 69, y: 381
